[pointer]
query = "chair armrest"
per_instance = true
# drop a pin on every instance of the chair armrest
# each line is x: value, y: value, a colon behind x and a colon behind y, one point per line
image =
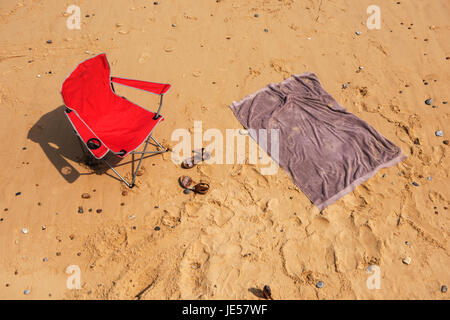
x: 157, y: 88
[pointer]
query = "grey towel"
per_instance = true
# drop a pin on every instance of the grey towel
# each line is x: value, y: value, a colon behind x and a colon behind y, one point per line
x: 327, y: 150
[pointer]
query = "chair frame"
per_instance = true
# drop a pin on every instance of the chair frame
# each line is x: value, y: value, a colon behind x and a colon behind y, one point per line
x: 155, y: 88
x: 142, y: 153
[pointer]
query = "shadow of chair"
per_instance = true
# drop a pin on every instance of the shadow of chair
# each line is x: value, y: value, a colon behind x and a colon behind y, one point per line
x: 58, y: 140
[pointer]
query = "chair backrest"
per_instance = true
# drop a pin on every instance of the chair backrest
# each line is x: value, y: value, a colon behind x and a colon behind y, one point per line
x: 88, y: 90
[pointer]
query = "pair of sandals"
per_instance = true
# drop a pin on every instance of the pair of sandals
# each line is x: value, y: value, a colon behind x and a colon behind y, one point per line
x: 186, y: 181
x: 199, y: 156
x: 200, y: 188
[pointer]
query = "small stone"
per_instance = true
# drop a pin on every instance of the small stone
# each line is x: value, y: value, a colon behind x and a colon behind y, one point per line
x: 266, y: 30
x: 124, y: 193
x: 415, y: 184
x: 429, y: 101
x: 406, y: 260
x: 407, y: 243
x: 429, y: 178
x: 99, y: 210
x: 439, y: 133
x: 320, y: 284
x: 174, y: 25
x: 58, y: 254
x: 446, y: 142
x: 444, y: 289
x: 85, y: 196
x: 72, y: 236
x: 187, y: 191
x: 80, y: 210
x: 49, y: 41
x: 156, y: 3
x: 18, y: 193
x: 345, y: 85
x: 157, y: 228
x: 360, y: 67
x: 45, y: 259
x: 24, y: 230
x: 256, y: 15
x: 358, y: 33
x: 27, y: 292
x: 43, y: 228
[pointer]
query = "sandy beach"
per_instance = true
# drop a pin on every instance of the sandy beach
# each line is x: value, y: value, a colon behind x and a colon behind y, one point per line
x: 250, y: 229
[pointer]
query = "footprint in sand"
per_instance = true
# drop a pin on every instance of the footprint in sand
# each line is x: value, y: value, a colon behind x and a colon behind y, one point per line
x: 192, y: 270
x: 371, y: 245
x: 144, y: 57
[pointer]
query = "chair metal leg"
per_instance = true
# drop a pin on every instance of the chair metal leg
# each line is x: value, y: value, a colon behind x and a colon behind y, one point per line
x: 143, y: 153
x: 126, y: 182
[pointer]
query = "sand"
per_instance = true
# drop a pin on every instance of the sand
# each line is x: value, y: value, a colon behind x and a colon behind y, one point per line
x: 250, y: 230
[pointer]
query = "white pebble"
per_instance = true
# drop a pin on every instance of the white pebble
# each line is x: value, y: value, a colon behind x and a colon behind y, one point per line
x: 406, y: 260
x: 24, y: 230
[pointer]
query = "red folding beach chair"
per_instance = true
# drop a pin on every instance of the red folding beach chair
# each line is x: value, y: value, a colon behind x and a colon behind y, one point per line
x: 106, y: 122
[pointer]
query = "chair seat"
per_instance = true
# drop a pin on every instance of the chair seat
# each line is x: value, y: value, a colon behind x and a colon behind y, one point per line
x: 96, y: 112
x: 116, y: 138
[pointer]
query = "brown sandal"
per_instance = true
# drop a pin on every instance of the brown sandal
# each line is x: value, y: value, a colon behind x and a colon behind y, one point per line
x: 185, y: 181
x: 201, y: 188
x: 198, y: 157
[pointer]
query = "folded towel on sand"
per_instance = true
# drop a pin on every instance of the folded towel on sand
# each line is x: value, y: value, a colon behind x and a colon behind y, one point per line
x: 327, y: 150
